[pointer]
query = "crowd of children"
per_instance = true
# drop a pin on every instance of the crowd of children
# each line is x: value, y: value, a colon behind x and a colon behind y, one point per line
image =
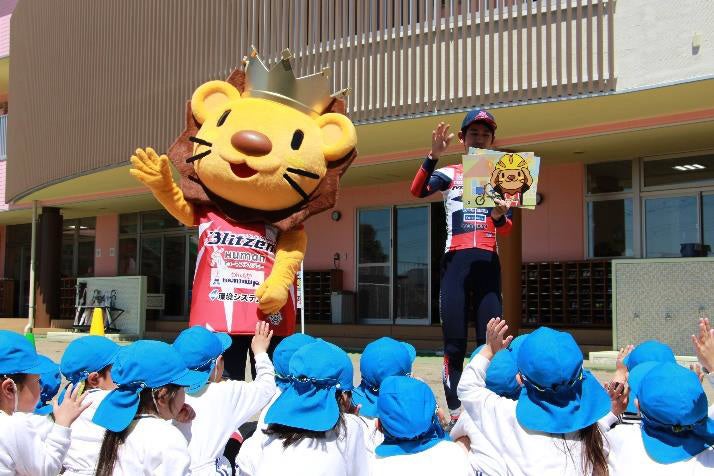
x: 530, y: 408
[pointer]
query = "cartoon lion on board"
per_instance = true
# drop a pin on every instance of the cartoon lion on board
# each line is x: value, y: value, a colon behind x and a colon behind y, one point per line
x: 511, y: 178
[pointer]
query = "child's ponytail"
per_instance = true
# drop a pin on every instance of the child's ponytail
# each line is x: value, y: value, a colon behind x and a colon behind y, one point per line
x: 594, y: 459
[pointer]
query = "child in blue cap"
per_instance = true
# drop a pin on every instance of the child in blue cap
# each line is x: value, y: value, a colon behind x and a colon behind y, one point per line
x: 500, y: 379
x: 23, y: 449
x: 382, y: 358
x: 414, y: 442
x: 309, y: 430
x: 50, y: 382
x: 553, y: 426
x: 281, y: 361
x: 675, y: 436
x: 140, y: 437
x: 647, y: 351
x: 221, y: 406
x: 86, y: 364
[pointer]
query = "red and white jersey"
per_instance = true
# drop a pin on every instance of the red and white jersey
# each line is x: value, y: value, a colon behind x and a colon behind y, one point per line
x: 232, y: 262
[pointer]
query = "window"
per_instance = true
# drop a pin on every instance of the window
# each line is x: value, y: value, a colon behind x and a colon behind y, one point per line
x: 609, y: 177
x: 652, y: 208
x: 78, y: 238
x: 155, y: 245
x: 677, y: 172
x: 670, y: 222
x: 610, y: 228
x: 393, y: 267
x: 609, y: 199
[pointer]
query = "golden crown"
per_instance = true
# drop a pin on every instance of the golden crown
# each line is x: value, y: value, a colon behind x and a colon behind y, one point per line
x: 310, y: 94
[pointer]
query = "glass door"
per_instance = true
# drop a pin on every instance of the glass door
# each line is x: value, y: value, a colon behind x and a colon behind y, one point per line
x: 374, y: 265
x: 412, y: 280
x: 393, y: 265
x: 174, y: 277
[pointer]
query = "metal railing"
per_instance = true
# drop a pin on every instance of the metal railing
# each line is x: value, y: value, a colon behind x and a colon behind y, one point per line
x: 404, y: 57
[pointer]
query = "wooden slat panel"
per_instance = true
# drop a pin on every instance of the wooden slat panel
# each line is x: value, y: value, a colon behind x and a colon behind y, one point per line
x: 482, y: 51
x: 548, y: 50
x: 610, y: 45
x: 589, y: 51
x: 558, y: 48
x: 569, y: 47
x: 579, y: 45
x: 539, y: 49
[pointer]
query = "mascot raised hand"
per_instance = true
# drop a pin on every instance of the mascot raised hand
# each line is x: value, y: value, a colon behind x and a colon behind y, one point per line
x: 261, y: 152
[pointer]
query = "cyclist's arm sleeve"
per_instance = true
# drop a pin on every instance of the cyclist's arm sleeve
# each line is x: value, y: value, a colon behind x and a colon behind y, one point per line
x: 427, y: 181
x: 504, y: 224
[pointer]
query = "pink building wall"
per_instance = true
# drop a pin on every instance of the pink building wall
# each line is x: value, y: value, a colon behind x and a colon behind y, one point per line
x: 5, y: 36
x: 554, y: 231
x: 106, y: 245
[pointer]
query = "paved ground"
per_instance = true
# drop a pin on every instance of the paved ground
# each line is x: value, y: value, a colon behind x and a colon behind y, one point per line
x: 425, y: 367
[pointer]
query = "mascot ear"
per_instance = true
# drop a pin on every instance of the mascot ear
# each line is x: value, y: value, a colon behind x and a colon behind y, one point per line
x: 494, y: 178
x: 211, y: 97
x: 338, y: 135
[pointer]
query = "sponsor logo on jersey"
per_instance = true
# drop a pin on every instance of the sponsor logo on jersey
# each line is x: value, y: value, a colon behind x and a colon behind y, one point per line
x: 227, y: 238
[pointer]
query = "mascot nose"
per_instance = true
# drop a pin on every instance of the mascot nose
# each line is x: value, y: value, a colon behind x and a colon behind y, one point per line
x: 511, y: 177
x: 251, y: 143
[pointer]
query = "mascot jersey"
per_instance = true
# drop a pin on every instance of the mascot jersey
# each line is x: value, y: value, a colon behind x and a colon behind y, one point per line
x: 465, y: 227
x: 232, y: 261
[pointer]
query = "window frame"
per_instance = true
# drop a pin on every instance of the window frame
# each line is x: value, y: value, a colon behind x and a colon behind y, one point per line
x: 639, y: 194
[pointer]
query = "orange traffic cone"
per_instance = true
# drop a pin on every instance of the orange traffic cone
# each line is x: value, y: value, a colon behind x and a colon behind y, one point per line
x: 97, y: 326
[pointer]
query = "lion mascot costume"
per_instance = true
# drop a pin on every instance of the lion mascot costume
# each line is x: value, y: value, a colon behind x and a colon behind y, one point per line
x: 261, y: 152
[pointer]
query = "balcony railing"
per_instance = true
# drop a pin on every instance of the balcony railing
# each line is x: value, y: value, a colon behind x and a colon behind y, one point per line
x: 403, y: 57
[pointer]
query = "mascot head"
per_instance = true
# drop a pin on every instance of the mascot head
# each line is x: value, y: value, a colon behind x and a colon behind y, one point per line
x: 263, y: 145
x: 511, y: 175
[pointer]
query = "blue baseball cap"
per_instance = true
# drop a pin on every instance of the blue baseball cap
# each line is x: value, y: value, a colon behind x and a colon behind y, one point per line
x: 407, y: 412
x: 199, y: 348
x: 478, y: 115
x: 501, y: 375
x: 86, y: 355
x: 559, y: 396
x: 675, y: 425
x: 283, y: 353
x: 382, y: 358
x: 516, y: 344
x: 649, y: 351
x: 634, y: 380
x: 318, y: 371
x: 50, y: 383
x: 143, y: 364
x: 18, y: 356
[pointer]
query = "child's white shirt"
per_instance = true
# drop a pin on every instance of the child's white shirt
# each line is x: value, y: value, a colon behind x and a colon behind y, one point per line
x: 524, y: 452
x: 346, y: 455
x: 220, y: 409
x: 87, y: 438
x: 372, y: 436
x: 482, y: 456
x: 629, y: 456
x: 445, y: 458
x: 261, y: 418
x: 25, y: 451
x: 153, y: 447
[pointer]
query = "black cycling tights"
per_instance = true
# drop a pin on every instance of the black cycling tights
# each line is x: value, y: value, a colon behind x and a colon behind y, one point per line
x: 470, y: 286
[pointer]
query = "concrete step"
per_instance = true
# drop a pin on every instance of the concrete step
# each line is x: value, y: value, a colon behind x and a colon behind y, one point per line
x: 606, y: 360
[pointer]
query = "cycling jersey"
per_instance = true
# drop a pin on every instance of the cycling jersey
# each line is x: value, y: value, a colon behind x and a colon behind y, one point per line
x: 233, y: 261
x: 465, y: 227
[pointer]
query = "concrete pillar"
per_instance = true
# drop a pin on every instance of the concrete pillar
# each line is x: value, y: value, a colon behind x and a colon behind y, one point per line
x: 509, y: 250
x: 49, y: 256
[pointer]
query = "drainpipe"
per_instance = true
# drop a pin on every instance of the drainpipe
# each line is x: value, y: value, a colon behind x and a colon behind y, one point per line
x: 33, y: 246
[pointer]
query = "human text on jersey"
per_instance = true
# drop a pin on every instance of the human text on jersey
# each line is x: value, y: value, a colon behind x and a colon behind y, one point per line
x: 227, y: 238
